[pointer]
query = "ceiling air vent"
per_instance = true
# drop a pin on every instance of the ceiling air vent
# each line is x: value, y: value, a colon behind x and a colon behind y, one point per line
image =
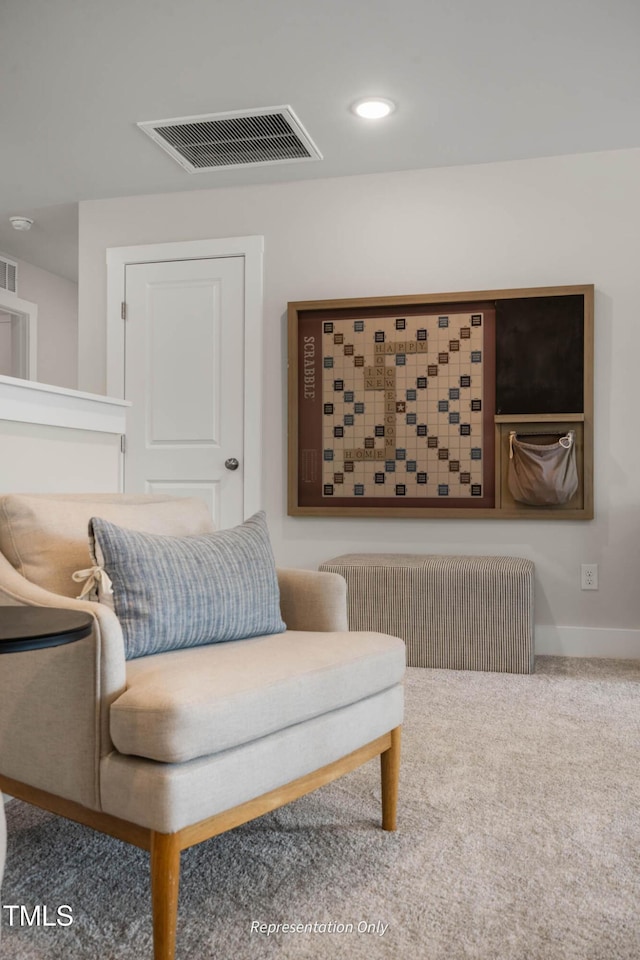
x: 8, y: 275
x: 244, y: 138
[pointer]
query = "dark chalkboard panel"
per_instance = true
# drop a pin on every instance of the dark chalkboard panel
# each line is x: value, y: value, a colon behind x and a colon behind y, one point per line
x: 540, y: 355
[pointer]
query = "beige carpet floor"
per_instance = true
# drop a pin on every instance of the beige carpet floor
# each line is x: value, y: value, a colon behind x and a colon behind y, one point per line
x: 519, y: 839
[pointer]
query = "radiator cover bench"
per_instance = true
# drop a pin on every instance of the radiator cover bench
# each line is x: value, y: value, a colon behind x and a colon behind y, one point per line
x: 460, y: 613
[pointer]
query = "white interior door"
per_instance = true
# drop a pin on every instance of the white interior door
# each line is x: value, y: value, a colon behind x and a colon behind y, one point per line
x: 184, y: 373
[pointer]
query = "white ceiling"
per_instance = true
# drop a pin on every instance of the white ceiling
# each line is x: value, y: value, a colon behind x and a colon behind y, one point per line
x: 474, y: 80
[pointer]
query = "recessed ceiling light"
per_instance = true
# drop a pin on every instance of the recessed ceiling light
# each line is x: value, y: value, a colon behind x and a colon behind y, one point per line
x: 373, y: 108
x: 21, y: 223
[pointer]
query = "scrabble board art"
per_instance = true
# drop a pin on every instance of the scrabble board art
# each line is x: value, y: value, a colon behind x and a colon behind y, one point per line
x: 394, y: 409
x: 405, y: 406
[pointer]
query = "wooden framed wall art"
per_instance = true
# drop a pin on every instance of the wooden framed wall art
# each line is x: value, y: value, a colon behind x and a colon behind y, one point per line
x: 403, y: 406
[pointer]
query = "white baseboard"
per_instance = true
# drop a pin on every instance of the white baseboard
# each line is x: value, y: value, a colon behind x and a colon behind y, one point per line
x: 587, y: 642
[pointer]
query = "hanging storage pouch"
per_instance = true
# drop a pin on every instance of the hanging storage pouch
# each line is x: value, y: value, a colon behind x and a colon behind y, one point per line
x: 542, y: 474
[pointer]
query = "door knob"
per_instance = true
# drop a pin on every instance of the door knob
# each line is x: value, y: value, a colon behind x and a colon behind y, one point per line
x: 231, y: 463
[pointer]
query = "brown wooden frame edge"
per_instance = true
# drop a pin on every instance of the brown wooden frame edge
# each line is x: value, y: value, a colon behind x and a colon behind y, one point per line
x: 165, y: 848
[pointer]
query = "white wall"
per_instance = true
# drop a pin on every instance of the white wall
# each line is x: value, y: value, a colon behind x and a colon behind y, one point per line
x: 57, y: 300
x: 56, y: 440
x: 543, y: 222
x: 77, y: 461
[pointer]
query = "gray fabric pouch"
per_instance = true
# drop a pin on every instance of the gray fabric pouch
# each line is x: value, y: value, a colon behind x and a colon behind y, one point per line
x: 542, y: 473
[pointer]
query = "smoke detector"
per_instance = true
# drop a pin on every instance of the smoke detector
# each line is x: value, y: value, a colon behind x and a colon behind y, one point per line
x: 242, y: 138
x: 21, y: 223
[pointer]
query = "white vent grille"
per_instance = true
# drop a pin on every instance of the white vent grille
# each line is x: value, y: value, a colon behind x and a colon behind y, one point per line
x: 246, y: 138
x: 8, y: 275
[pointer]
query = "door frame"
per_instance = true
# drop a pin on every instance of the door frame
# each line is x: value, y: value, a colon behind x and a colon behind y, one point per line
x: 252, y: 249
x: 25, y: 315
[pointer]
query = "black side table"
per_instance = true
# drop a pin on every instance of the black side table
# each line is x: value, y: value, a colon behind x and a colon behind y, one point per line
x: 32, y: 628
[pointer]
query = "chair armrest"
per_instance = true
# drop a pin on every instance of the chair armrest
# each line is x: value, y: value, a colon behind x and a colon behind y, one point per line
x: 54, y: 703
x: 310, y: 600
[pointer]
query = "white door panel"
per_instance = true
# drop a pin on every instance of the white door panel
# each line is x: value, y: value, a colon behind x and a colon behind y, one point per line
x: 184, y: 373
x: 184, y: 362
x: 209, y: 492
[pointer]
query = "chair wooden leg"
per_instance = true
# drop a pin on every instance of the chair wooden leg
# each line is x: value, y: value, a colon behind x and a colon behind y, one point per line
x: 165, y: 881
x: 390, y: 771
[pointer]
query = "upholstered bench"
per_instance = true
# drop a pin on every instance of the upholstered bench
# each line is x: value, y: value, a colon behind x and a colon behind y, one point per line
x: 460, y: 613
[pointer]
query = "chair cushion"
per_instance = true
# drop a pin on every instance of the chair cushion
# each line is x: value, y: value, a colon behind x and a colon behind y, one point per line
x: 193, y: 703
x: 173, y: 592
x: 45, y: 537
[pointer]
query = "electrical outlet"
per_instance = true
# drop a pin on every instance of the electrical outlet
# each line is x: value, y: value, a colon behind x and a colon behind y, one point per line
x: 589, y: 576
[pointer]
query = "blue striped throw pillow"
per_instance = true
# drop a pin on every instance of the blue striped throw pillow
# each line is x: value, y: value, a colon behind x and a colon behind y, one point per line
x: 173, y: 592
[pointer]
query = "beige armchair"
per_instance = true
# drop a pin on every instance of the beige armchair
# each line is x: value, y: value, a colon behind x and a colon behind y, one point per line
x: 207, y: 737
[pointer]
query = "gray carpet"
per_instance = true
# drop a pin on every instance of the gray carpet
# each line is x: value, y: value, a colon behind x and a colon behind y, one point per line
x: 519, y: 839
